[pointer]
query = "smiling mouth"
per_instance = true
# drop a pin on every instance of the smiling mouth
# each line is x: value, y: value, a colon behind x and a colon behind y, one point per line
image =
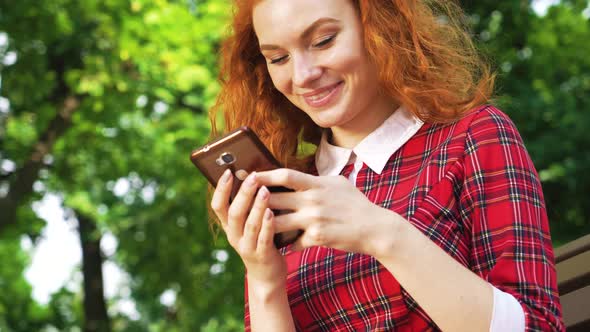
x: 323, y: 96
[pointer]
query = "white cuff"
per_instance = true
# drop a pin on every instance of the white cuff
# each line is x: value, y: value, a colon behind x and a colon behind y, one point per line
x: 507, y: 314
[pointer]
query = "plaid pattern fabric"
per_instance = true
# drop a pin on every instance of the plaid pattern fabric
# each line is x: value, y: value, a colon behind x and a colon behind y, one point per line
x: 472, y: 189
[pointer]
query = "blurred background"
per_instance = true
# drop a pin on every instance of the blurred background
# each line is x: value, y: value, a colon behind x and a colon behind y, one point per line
x: 103, y: 219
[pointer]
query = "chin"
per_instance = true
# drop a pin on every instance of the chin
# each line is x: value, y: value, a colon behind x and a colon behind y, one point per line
x: 327, y: 118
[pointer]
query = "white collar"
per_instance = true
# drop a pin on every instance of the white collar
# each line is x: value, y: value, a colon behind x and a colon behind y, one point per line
x: 374, y: 150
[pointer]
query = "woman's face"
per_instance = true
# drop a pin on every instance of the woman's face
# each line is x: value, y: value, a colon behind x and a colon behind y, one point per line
x: 316, y: 58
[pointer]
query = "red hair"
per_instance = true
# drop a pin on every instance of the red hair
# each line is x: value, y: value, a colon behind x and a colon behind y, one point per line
x: 425, y: 58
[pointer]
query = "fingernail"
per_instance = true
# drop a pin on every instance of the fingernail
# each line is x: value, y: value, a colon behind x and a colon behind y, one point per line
x: 251, y: 180
x: 263, y: 192
x: 225, y: 177
x: 268, y: 214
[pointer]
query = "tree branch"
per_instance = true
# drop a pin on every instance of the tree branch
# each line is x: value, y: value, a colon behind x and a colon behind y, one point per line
x: 96, y: 318
x: 179, y: 102
x: 21, y: 182
x: 7, y: 176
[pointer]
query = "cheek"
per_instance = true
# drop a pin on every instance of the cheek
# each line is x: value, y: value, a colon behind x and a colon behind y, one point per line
x: 280, y: 79
x: 347, y: 60
x: 362, y: 72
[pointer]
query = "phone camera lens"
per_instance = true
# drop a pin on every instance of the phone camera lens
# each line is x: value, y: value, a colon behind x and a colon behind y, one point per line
x: 228, y: 158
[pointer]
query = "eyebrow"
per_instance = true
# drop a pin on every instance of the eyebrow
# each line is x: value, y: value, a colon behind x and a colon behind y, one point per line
x: 306, y: 32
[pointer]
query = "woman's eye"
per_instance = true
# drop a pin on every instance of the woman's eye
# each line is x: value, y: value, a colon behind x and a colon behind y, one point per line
x: 278, y: 60
x: 325, y: 41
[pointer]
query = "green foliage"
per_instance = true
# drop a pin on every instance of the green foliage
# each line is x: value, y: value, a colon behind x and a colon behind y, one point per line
x: 18, y: 311
x: 66, y: 310
x: 144, y: 73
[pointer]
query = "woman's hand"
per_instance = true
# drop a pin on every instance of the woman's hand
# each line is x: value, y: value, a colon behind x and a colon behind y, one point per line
x: 331, y: 211
x: 248, y: 223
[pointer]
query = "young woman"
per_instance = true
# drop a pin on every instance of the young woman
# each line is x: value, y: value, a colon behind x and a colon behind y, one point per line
x: 437, y: 220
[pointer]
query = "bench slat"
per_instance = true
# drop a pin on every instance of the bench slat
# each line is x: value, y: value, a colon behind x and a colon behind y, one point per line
x: 576, y: 310
x: 573, y: 273
x: 572, y: 248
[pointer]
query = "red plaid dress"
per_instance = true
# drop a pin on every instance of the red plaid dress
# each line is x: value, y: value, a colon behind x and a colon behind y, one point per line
x: 471, y: 187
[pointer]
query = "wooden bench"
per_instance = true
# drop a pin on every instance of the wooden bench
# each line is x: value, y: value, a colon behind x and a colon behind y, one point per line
x: 573, y: 282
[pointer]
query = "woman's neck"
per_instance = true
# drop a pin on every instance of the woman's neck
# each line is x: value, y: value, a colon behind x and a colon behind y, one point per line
x: 354, y: 131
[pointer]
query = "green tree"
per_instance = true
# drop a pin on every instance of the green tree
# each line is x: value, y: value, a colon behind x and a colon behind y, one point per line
x: 107, y: 99
x: 16, y: 302
x: 117, y: 91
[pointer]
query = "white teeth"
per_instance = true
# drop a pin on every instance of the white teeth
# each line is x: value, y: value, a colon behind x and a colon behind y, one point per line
x: 320, y: 95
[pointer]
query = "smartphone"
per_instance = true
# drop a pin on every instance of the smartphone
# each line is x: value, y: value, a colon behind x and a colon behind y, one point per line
x: 242, y: 152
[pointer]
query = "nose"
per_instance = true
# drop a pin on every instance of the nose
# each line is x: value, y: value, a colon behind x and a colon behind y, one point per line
x: 305, y: 70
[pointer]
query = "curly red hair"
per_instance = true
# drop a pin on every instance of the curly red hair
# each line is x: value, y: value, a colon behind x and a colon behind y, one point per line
x: 425, y: 56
